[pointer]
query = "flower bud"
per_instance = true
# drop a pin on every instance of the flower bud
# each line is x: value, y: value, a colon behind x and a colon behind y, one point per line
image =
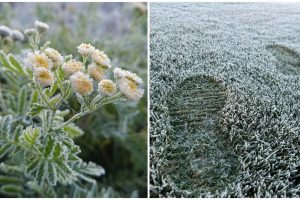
x: 41, y: 27
x: 17, y: 35
x: 4, y: 31
x: 29, y: 32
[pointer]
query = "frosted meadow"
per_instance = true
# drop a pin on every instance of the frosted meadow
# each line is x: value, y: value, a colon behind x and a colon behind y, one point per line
x: 43, y: 95
x: 224, y: 100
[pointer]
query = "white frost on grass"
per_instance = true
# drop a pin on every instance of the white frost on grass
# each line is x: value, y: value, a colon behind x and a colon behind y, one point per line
x: 261, y: 116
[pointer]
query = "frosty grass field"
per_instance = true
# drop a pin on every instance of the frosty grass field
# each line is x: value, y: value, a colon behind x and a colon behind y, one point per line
x: 224, y: 100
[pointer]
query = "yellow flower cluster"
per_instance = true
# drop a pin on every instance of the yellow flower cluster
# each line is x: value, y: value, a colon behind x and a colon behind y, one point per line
x: 41, y: 66
x: 82, y: 78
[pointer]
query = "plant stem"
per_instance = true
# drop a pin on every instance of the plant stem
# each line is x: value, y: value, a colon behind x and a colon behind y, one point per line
x: 2, y: 102
x: 84, y: 59
x: 72, y: 119
x: 59, y: 82
x: 44, y: 98
x: 81, y: 114
x: 51, y: 119
x: 37, y: 41
x: 44, y: 121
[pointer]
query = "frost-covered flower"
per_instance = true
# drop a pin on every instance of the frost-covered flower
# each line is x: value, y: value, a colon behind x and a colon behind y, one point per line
x: 17, y: 35
x: 132, y: 76
x: 130, y: 89
x: 5, y: 31
x: 97, y: 72
x: 129, y: 84
x: 72, y: 66
x: 101, y: 58
x: 37, y: 60
x: 119, y: 73
x: 44, y: 76
x: 41, y: 27
x: 82, y: 83
x: 85, y: 49
x: 29, y: 32
x: 107, y: 87
x: 55, y: 56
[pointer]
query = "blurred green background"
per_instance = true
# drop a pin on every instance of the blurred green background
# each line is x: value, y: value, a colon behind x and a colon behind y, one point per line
x: 116, y: 135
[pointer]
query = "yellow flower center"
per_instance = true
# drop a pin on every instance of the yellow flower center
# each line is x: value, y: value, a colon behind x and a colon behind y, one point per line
x: 41, y: 61
x: 108, y: 87
x: 86, y: 46
x: 132, y: 85
x: 84, y: 86
x: 97, y: 73
x: 75, y: 66
x: 44, y: 76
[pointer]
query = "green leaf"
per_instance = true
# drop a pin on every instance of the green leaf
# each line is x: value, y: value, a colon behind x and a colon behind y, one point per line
x: 16, y: 65
x: 5, y: 63
x: 36, y: 109
x: 57, y: 151
x: 63, y: 113
x: 30, y: 73
x: 4, y: 150
x: 13, y: 190
x: 49, y: 147
x: 53, y: 101
x: 9, y: 180
x: 31, y: 135
x: 34, y: 97
x: 91, y: 169
x: 41, y: 172
x: 12, y: 101
x: 53, y: 89
x: 61, y: 74
x: 52, y: 174
x: 65, y: 173
x: 73, y: 130
x: 44, y: 192
x: 32, y: 167
x: 5, y: 124
x: 17, y: 133
x: 46, y: 92
x: 22, y: 98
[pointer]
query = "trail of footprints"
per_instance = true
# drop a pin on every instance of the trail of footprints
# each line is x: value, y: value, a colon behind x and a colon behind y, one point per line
x: 198, y: 152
